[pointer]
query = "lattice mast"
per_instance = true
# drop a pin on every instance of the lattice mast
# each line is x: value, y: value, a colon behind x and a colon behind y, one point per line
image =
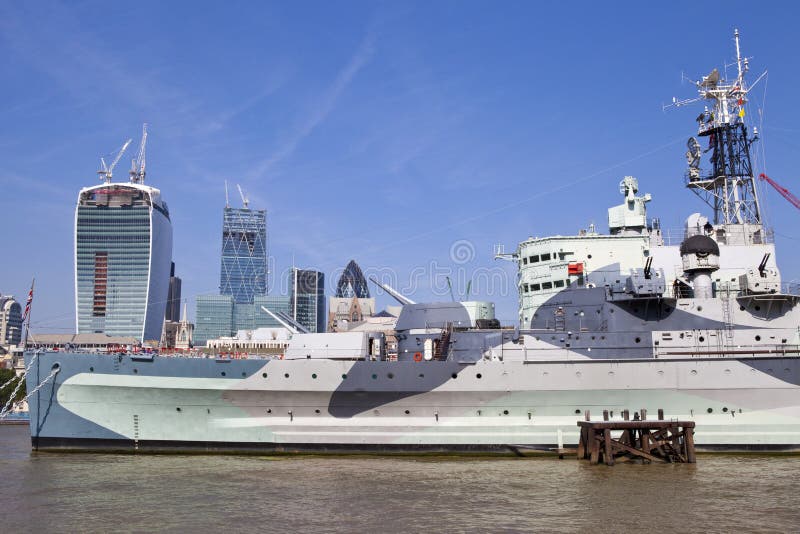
x: 728, y: 186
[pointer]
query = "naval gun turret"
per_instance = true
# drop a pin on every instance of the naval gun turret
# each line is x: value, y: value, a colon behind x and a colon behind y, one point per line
x: 700, y: 258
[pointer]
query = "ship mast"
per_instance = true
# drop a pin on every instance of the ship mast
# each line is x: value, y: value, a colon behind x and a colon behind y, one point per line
x: 728, y: 186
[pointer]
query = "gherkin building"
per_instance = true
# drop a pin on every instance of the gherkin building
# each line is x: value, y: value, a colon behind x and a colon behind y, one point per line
x: 352, y: 283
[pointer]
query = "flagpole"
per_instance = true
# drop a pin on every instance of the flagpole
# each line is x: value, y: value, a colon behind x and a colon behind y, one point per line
x: 28, y: 315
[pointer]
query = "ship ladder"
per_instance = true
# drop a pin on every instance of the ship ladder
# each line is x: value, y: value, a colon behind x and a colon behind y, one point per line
x: 726, y: 317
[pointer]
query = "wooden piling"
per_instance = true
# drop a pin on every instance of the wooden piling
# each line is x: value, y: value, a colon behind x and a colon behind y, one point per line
x: 648, y: 441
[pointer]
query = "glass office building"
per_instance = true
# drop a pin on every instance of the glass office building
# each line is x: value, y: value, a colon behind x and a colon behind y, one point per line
x: 214, y: 318
x: 243, y: 272
x: 123, y: 252
x: 308, y: 299
x: 352, y: 283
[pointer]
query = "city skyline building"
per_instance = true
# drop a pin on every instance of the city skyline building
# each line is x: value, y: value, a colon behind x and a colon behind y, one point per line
x: 123, y: 252
x: 10, y: 321
x: 352, y: 282
x: 308, y: 299
x: 213, y: 318
x: 243, y: 265
x: 173, y: 296
x: 218, y: 316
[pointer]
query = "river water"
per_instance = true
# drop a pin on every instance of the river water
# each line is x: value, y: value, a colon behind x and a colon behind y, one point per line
x: 47, y: 492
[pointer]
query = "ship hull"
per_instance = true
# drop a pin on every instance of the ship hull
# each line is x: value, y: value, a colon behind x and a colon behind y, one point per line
x: 120, y: 403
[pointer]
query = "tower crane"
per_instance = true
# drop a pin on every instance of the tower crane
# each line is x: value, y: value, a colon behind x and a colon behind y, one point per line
x: 245, y: 200
x: 785, y: 193
x: 106, y: 172
x: 138, y: 171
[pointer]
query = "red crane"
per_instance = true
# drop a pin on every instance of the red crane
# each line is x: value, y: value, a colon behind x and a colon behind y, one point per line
x: 785, y: 193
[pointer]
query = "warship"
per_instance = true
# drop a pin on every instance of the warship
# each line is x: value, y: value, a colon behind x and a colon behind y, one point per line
x: 700, y: 328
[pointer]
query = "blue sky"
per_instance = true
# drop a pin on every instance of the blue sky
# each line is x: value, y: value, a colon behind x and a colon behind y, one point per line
x: 395, y: 133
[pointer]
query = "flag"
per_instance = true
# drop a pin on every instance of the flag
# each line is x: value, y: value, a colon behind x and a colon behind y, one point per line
x: 28, y: 304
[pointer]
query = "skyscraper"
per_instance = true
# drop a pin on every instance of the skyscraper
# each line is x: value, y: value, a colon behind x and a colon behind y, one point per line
x: 243, y: 272
x: 173, y: 296
x: 352, y: 283
x: 10, y: 321
x: 123, y: 251
x: 308, y: 299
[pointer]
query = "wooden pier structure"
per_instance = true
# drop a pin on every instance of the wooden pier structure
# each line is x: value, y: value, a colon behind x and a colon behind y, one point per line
x: 648, y: 441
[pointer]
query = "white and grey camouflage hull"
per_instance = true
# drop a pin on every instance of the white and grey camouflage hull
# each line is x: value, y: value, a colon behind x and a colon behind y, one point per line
x: 116, y: 402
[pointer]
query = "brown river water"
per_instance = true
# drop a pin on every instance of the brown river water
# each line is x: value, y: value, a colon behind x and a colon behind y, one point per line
x: 48, y: 492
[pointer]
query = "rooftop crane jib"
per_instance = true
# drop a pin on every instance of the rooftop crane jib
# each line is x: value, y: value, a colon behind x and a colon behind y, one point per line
x: 138, y: 165
x: 106, y: 172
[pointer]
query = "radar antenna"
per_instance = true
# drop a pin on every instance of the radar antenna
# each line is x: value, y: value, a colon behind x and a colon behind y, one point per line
x: 728, y: 187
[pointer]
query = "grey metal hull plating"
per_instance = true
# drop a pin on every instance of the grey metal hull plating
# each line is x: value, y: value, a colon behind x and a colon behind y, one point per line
x: 111, y: 402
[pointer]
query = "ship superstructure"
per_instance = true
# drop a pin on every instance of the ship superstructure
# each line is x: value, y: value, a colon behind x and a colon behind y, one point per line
x: 699, y: 328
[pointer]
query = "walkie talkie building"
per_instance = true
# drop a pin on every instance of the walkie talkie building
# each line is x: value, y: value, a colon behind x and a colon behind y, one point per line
x: 123, y: 251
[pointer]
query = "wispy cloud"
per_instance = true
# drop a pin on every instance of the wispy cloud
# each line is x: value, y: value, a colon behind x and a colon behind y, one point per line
x: 316, y: 115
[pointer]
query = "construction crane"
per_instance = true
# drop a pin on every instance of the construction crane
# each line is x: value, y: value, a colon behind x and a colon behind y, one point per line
x: 785, y: 193
x: 245, y: 200
x: 106, y: 171
x: 138, y: 171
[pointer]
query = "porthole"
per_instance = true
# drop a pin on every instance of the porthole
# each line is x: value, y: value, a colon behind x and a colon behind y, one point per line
x: 505, y: 412
x: 374, y: 377
x: 758, y: 308
x: 577, y: 411
x: 223, y: 373
x: 314, y: 375
x: 758, y: 338
x: 244, y: 374
x: 178, y: 409
x: 422, y: 375
x: 454, y: 376
x: 710, y: 410
x: 701, y: 339
x: 589, y: 256
x: 602, y: 337
x: 390, y: 375
x: 263, y: 375
x: 269, y: 410
x: 316, y: 411
x: 344, y: 376
x: 725, y: 409
x: 741, y: 308
x: 699, y: 308
x: 286, y: 375
x: 91, y: 369
x: 638, y: 340
x: 479, y: 375
x: 135, y: 371
x: 407, y: 412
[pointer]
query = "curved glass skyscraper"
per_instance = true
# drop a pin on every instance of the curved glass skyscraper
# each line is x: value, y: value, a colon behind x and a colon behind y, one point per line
x: 123, y: 251
x: 352, y: 282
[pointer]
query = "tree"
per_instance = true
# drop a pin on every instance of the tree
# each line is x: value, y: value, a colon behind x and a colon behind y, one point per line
x: 5, y: 393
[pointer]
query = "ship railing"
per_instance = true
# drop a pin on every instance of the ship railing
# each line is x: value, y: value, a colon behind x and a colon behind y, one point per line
x: 734, y: 234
